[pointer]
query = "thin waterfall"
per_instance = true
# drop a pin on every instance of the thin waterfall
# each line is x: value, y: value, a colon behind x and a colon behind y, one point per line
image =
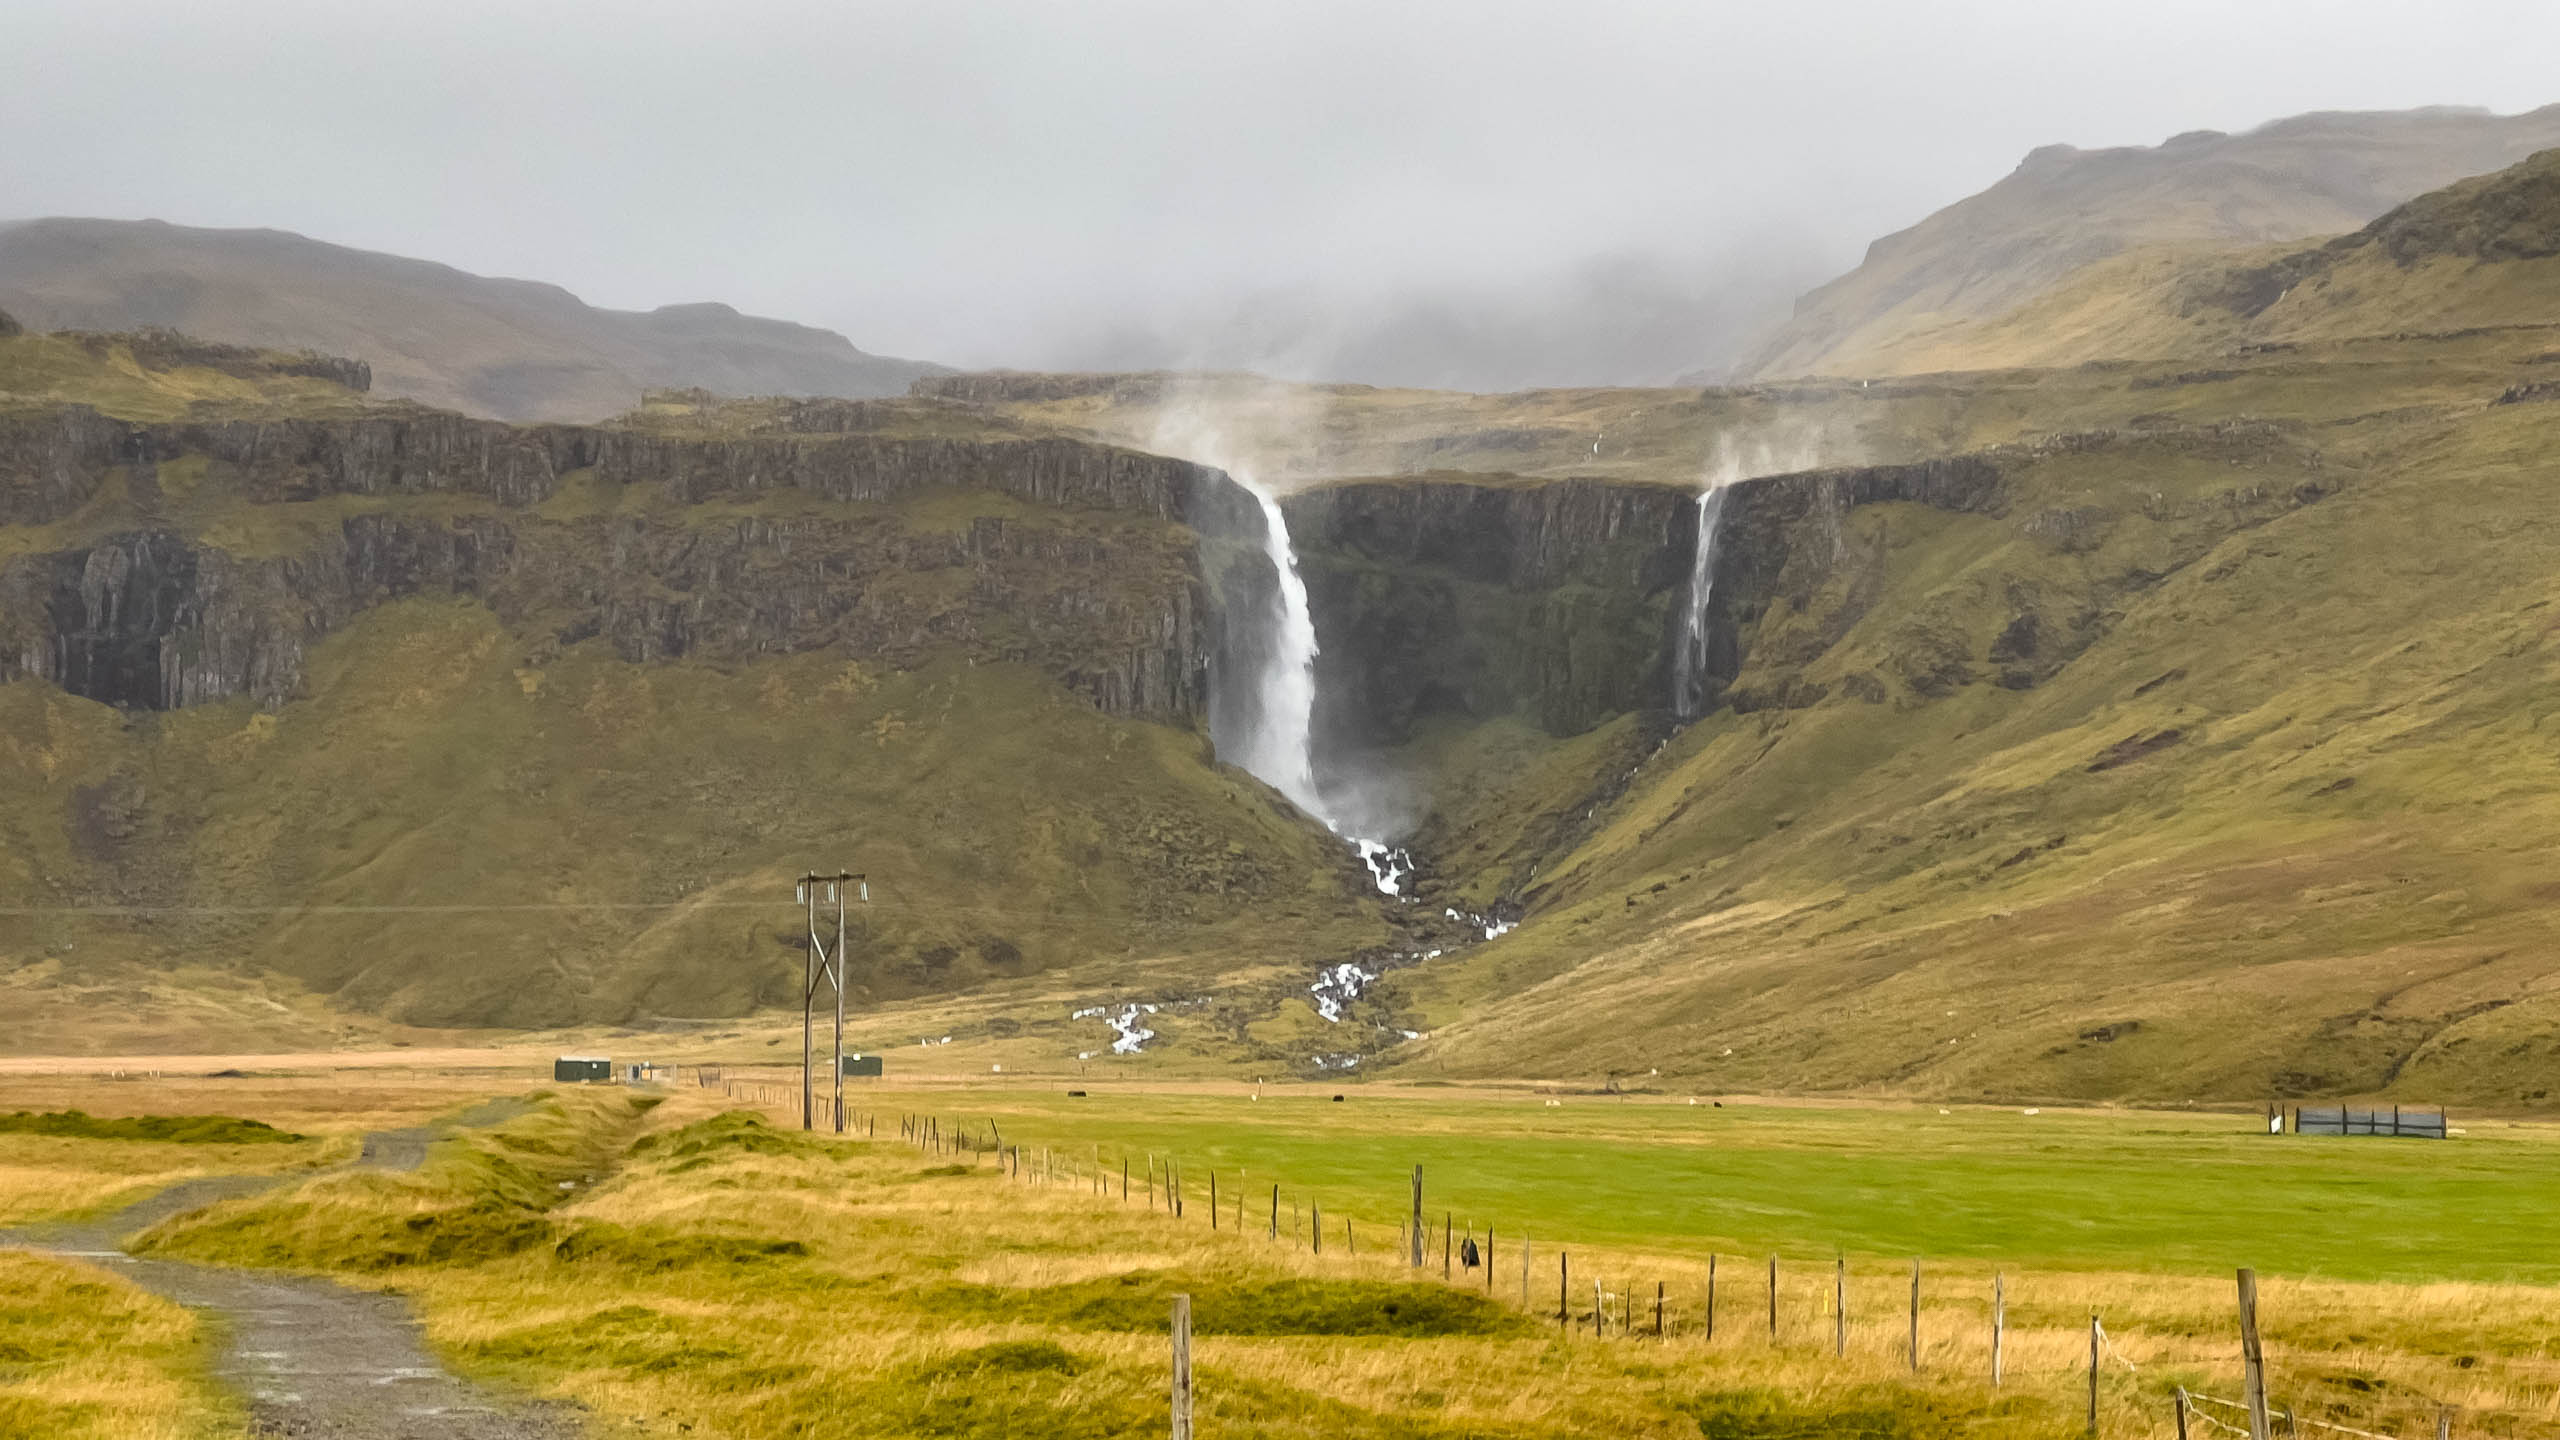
x: 1689, y: 660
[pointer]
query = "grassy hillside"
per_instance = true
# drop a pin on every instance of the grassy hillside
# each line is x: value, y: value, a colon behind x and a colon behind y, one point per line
x: 453, y: 834
x: 2483, y: 254
x: 514, y: 349
x: 150, y: 377
x: 2065, y: 209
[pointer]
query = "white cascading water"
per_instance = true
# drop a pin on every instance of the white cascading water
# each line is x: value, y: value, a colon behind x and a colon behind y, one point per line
x: 1689, y: 662
x: 1281, y: 750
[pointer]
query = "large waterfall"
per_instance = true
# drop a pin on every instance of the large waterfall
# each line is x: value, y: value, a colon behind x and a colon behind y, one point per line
x: 1689, y: 661
x: 1280, y: 747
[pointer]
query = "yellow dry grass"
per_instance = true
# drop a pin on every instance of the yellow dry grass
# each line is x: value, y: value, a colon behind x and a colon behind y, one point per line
x: 84, y: 1355
x: 920, y: 1266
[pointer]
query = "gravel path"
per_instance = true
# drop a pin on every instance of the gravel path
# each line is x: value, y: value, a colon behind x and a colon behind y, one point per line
x: 313, y: 1358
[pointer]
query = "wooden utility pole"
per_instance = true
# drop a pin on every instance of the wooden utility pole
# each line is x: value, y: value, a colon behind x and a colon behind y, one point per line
x: 2253, y: 1362
x: 1181, y: 1367
x: 821, y: 963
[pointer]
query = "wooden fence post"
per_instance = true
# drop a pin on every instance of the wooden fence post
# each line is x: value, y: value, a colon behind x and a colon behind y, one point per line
x: 1488, y: 1259
x: 1773, y: 1299
x: 1444, y: 1245
x: 1657, y: 1309
x: 1275, y: 1212
x: 1416, y: 1218
x: 1213, y: 1198
x: 1711, y: 1295
x: 2093, y: 1372
x: 1564, y: 1290
x: 1181, y: 1367
x: 2253, y: 1362
x: 1840, y: 1307
x: 1524, y: 1272
x: 1599, y: 1309
x: 2182, y: 1412
x: 1315, y: 1229
x: 2444, y: 1422
x: 1915, y: 1317
x: 1999, y: 1325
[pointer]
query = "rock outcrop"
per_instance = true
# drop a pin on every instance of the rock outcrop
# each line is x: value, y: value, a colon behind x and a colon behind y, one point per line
x: 1103, y: 585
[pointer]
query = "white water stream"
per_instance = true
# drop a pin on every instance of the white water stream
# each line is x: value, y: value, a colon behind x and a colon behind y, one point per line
x: 1689, y: 661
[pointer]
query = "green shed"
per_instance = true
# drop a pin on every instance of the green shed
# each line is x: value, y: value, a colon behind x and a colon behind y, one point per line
x: 582, y: 1069
x: 862, y: 1065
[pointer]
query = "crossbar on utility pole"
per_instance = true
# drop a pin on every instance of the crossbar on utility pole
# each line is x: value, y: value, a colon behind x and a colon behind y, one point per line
x: 830, y: 966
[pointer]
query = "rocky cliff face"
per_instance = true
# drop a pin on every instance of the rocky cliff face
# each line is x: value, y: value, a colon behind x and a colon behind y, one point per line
x: 1474, y: 597
x: 1103, y: 585
x: 1480, y: 597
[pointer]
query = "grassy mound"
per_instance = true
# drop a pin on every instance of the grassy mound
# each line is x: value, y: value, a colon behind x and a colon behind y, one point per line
x: 1142, y: 1301
x: 480, y: 1196
x: 175, y: 1129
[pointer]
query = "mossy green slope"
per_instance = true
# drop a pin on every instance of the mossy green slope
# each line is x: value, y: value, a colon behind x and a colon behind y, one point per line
x: 2281, y: 828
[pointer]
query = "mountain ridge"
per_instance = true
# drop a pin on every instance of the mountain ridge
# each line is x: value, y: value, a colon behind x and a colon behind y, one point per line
x: 2064, y: 208
x: 504, y: 348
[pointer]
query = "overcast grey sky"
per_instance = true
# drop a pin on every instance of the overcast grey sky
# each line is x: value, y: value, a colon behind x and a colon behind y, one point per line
x: 1038, y: 182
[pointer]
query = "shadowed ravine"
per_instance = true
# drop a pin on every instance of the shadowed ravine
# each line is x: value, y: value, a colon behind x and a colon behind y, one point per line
x: 309, y: 1357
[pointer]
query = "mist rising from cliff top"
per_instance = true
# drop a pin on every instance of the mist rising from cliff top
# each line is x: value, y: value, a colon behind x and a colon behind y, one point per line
x: 1262, y: 709
x: 1774, y: 450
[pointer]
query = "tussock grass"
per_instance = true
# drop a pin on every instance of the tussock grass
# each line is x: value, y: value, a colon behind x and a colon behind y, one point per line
x: 174, y: 1129
x: 747, y: 1280
x: 85, y: 1355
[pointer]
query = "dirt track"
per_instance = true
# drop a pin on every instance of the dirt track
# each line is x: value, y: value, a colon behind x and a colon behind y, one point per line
x: 312, y: 1358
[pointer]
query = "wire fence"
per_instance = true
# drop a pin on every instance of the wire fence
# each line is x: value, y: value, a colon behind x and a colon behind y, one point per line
x: 1613, y: 1304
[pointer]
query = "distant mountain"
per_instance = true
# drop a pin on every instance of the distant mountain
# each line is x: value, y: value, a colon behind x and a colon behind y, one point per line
x: 511, y: 349
x: 2064, y: 209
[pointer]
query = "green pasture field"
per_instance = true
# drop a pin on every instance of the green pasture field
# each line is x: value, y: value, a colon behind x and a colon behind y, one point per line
x: 2163, y: 1192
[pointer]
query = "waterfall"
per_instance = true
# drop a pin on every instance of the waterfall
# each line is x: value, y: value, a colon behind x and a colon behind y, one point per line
x: 1689, y: 661
x: 1280, y: 749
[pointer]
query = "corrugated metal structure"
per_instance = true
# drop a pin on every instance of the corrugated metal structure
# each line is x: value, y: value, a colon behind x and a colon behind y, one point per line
x: 862, y: 1065
x: 582, y: 1069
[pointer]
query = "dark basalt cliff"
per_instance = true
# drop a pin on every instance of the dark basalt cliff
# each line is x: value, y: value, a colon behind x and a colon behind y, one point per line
x: 1103, y: 585
x: 1478, y: 597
